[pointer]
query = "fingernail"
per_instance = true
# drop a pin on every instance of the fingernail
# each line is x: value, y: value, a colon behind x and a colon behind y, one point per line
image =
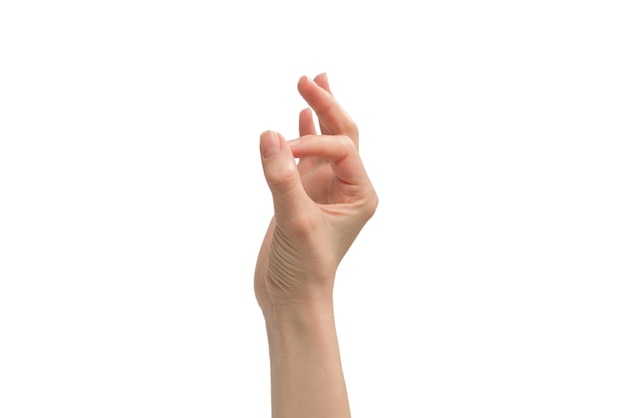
x: 270, y: 145
x: 293, y: 142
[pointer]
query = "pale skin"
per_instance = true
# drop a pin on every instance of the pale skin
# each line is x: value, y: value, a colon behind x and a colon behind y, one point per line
x: 321, y: 203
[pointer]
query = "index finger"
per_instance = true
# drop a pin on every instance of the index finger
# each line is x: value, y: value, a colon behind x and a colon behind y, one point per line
x: 340, y: 151
x: 328, y: 110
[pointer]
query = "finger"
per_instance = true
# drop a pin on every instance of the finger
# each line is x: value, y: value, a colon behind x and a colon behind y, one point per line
x: 329, y: 113
x: 339, y: 150
x: 307, y: 126
x: 322, y: 81
x: 282, y: 176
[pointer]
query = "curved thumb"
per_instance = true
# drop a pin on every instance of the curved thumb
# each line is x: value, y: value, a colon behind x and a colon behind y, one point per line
x: 282, y: 175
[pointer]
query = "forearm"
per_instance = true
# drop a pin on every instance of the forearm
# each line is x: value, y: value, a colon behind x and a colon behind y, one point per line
x: 306, y: 372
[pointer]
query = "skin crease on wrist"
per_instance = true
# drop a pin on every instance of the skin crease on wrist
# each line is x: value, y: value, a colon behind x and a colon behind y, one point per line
x: 321, y: 204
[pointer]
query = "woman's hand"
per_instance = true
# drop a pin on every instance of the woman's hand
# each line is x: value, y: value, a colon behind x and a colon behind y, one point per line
x: 320, y: 204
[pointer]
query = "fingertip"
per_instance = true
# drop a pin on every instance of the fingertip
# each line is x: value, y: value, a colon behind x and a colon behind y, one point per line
x: 270, y: 144
x: 294, y: 142
x: 303, y: 81
x: 266, y: 133
x: 305, y: 122
x: 306, y: 88
x: 322, y: 81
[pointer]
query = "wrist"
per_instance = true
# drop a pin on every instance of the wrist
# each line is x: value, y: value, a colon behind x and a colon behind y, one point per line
x: 302, y: 314
x: 305, y: 297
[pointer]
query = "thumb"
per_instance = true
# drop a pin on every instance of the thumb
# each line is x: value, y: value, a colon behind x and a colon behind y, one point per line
x: 282, y: 176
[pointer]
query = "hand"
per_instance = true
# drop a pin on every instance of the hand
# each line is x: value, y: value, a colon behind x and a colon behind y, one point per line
x: 320, y: 204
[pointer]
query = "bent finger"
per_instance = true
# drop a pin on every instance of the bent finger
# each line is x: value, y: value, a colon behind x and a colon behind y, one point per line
x: 329, y: 113
x: 340, y: 150
x: 322, y: 81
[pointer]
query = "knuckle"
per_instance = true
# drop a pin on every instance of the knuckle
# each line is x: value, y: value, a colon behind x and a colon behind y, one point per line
x: 370, y: 205
x: 347, y: 142
x: 373, y: 204
x: 282, y: 178
x: 352, y: 128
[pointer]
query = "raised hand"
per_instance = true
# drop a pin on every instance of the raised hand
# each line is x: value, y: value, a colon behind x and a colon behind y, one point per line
x: 320, y: 204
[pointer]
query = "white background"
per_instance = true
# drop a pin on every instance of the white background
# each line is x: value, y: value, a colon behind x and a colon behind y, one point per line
x: 490, y: 282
